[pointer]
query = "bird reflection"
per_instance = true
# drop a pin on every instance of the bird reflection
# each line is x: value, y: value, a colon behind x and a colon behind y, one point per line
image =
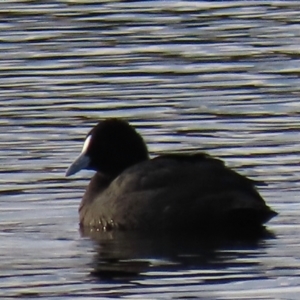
x: 128, y: 254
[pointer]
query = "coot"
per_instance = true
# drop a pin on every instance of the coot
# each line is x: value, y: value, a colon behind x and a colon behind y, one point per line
x: 130, y: 191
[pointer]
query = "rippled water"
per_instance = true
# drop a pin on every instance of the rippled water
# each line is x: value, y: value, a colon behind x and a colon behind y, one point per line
x: 216, y: 76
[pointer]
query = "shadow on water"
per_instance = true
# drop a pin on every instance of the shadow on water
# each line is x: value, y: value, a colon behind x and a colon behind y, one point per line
x: 128, y: 255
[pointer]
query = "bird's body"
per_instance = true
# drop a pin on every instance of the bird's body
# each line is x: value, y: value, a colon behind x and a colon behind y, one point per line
x: 169, y: 192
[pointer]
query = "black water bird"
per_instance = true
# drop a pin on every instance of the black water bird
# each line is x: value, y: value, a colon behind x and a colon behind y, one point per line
x: 170, y: 192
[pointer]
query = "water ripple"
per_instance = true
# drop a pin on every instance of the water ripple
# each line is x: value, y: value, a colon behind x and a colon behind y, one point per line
x: 190, y: 75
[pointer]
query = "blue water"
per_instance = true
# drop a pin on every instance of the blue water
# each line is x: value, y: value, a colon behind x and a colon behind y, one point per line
x: 221, y: 77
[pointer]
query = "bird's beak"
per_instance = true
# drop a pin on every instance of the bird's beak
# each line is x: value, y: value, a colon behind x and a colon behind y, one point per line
x: 81, y: 162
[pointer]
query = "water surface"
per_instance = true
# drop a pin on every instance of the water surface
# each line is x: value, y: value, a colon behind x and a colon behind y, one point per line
x: 221, y: 77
